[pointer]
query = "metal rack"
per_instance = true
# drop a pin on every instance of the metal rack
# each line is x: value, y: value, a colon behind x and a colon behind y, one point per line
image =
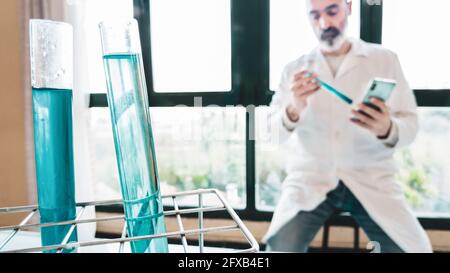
x: 178, y: 212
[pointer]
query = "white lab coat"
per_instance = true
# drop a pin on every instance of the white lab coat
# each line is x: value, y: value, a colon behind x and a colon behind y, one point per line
x: 330, y: 148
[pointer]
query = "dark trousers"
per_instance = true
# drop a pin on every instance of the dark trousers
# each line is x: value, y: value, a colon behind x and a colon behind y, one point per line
x: 297, y: 235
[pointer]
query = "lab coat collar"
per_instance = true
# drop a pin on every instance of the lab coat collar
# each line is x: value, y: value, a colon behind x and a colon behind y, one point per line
x: 358, y: 52
x: 359, y: 47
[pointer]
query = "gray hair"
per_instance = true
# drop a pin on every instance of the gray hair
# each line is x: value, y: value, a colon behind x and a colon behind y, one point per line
x: 308, y: 3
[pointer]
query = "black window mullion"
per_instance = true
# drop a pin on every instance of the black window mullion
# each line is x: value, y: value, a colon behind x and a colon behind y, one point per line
x: 249, y: 64
x: 250, y: 148
x: 433, y: 98
x: 99, y: 100
x: 264, y: 94
x: 142, y: 15
x: 250, y: 31
x: 371, y: 21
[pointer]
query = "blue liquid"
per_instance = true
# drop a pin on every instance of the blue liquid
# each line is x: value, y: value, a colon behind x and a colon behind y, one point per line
x: 52, y: 116
x: 336, y: 92
x: 130, y: 113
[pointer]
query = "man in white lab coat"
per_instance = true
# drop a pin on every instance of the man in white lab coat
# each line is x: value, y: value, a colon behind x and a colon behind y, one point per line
x: 344, y: 159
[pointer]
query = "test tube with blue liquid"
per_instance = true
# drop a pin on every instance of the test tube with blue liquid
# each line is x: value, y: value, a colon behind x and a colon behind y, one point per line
x: 325, y: 86
x: 132, y: 132
x: 51, y: 51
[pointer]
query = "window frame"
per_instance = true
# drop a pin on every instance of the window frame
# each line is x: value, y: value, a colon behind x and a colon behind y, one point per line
x: 250, y: 38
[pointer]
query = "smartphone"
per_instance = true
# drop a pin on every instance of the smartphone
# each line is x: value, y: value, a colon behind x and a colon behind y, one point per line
x: 378, y: 88
x: 381, y: 89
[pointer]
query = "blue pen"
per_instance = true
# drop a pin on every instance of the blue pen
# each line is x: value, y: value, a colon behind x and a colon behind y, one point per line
x: 334, y: 91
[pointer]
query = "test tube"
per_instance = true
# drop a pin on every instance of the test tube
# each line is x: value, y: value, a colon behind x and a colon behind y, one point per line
x: 135, y: 152
x: 51, y: 53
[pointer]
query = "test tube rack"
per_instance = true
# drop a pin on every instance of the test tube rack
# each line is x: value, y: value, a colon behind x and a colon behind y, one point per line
x: 177, y: 212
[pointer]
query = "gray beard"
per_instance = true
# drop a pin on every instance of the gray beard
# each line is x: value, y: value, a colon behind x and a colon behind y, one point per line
x: 336, y: 43
x: 333, y: 45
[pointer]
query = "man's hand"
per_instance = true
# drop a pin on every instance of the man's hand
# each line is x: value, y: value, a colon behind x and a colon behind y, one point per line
x: 303, y: 86
x: 377, y: 122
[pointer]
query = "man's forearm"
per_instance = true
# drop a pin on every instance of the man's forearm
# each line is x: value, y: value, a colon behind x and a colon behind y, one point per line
x: 292, y: 113
x: 392, y: 138
x: 290, y: 118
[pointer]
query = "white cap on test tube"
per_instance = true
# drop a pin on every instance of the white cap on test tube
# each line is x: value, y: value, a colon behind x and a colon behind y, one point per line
x: 51, y: 54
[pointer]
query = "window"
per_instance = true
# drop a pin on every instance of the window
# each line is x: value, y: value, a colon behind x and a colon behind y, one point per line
x: 195, y: 148
x: 270, y: 163
x: 418, y: 32
x: 291, y: 35
x: 424, y: 172
x: 191, y: 45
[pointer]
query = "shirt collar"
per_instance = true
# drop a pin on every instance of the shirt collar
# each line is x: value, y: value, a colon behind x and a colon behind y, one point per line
x: 358, y: 51
x: 359, y: 48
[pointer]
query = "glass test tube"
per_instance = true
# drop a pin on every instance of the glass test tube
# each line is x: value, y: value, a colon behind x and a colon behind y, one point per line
x: 51, y: 51
x: 135, y: 152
